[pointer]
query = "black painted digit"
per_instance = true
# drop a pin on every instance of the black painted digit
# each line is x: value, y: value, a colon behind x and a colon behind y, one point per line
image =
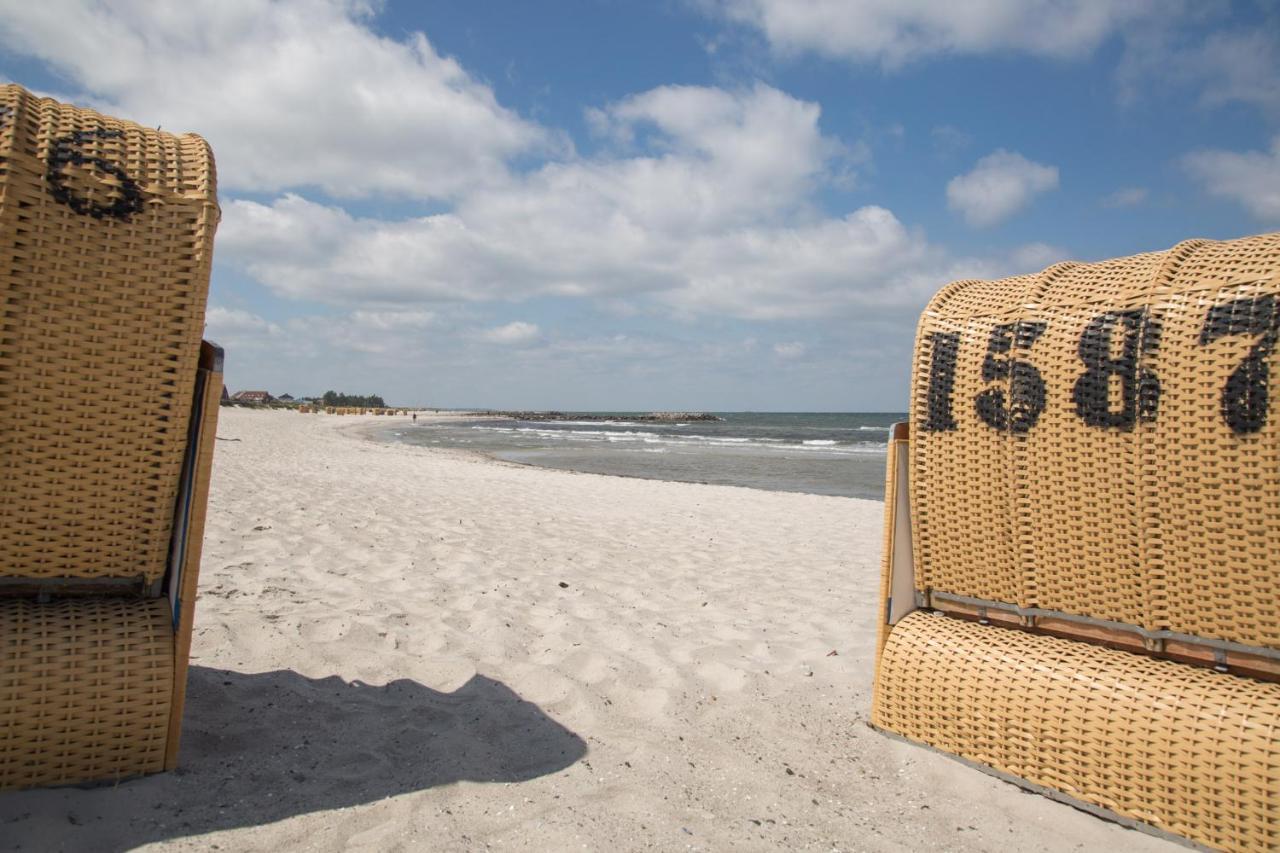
x: 1139, y: 387
x: 65, y: 151
x: 1026, y: 398
x: 943, y: 347
x: 1245, y: 396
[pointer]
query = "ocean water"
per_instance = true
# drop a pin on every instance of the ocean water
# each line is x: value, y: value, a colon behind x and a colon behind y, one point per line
x: 821, y: 453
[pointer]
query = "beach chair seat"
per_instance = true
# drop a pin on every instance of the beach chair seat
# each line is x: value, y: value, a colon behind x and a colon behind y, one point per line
x: 1081, y: 586
x: 108, y: 406
x: 86, y: 691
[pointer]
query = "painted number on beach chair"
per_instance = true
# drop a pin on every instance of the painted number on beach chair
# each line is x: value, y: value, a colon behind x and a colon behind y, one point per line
x: 1025, y: 400
x: 1139, y: 387
x: 1113, y: 348
x: 1245, y: 395
x: 943, y: 348
x: 65, y: 152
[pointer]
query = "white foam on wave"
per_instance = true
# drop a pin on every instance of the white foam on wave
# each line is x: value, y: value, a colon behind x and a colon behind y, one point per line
x: 689, y: 441
x: 594, y: 423
x: 841, y: 450
x: 568, y: 434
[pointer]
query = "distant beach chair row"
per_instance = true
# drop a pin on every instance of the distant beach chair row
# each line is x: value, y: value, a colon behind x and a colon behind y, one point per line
x: 1081, y: 585
x: 106, y: 235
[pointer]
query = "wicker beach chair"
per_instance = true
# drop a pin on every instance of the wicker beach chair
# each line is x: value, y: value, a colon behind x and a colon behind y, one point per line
x: 108, y: 404
x: 1081, y: 586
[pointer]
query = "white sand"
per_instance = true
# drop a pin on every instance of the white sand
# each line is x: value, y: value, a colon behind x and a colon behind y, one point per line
x: 402, y: 648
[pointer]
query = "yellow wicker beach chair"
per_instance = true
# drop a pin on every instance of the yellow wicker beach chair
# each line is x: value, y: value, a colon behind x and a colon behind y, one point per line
x: 1081, y: 586
x: 108, y: 403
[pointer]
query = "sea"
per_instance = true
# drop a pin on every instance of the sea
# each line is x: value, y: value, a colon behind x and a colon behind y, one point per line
x: 824, y: 453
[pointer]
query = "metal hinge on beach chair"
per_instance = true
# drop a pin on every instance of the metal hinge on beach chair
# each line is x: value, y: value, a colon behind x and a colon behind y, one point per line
x: 1081, y: 585
x: 108, y: 407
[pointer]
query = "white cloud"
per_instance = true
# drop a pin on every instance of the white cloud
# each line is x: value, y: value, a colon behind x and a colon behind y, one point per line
x: 389, y: 321
x: 1241, y: 67
x: 703, y: 202
x: 512, y: 334
x: 716, y: 161
x: 1169, y: 46
x: 702, y: 217
x: 865, y: 261
x: 234, y: 321
x: 1126, y: 197
x: 791, y: 349
x: 1000, y: 185
x: 361, y: 333
x: 893, y: 33
x: 1251, y: 178
x: 304, y: 249
x: 293, y: 93
x: 714, y: 156
x: 703, y: 209
x: 1225, y: 67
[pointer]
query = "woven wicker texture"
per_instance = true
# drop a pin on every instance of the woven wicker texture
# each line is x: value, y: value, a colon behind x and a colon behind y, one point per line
x: 1104, y: 440
x: 85, y: 689
x: 1185, y: 749
x: 106, y: 232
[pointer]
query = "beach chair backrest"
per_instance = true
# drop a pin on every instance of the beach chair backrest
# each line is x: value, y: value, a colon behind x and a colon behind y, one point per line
x: 1080, y: 588
x: 106, y: 235
x: 1101, y: 442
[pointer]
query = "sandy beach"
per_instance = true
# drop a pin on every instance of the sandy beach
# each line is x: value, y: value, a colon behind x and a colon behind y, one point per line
x: 401, y: 648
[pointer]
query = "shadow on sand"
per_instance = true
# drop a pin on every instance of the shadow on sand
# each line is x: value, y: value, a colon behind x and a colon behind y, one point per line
x: 296, y: 745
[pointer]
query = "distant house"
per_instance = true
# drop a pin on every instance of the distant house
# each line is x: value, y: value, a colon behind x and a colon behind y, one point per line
x: 253, y: 397
x: 285, y: 398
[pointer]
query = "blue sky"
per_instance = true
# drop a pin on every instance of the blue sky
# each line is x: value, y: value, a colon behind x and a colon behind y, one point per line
x: 706, y: 204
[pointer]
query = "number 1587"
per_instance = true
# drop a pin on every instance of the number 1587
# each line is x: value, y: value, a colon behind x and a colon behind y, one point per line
x: 1113, y: 348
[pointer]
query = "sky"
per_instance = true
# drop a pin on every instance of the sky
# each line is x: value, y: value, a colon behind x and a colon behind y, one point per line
x: 712, y: 205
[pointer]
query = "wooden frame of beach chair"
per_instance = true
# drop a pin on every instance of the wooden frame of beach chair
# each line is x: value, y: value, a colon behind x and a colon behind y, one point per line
x: 108, y: 407
x: 1080, y: 589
